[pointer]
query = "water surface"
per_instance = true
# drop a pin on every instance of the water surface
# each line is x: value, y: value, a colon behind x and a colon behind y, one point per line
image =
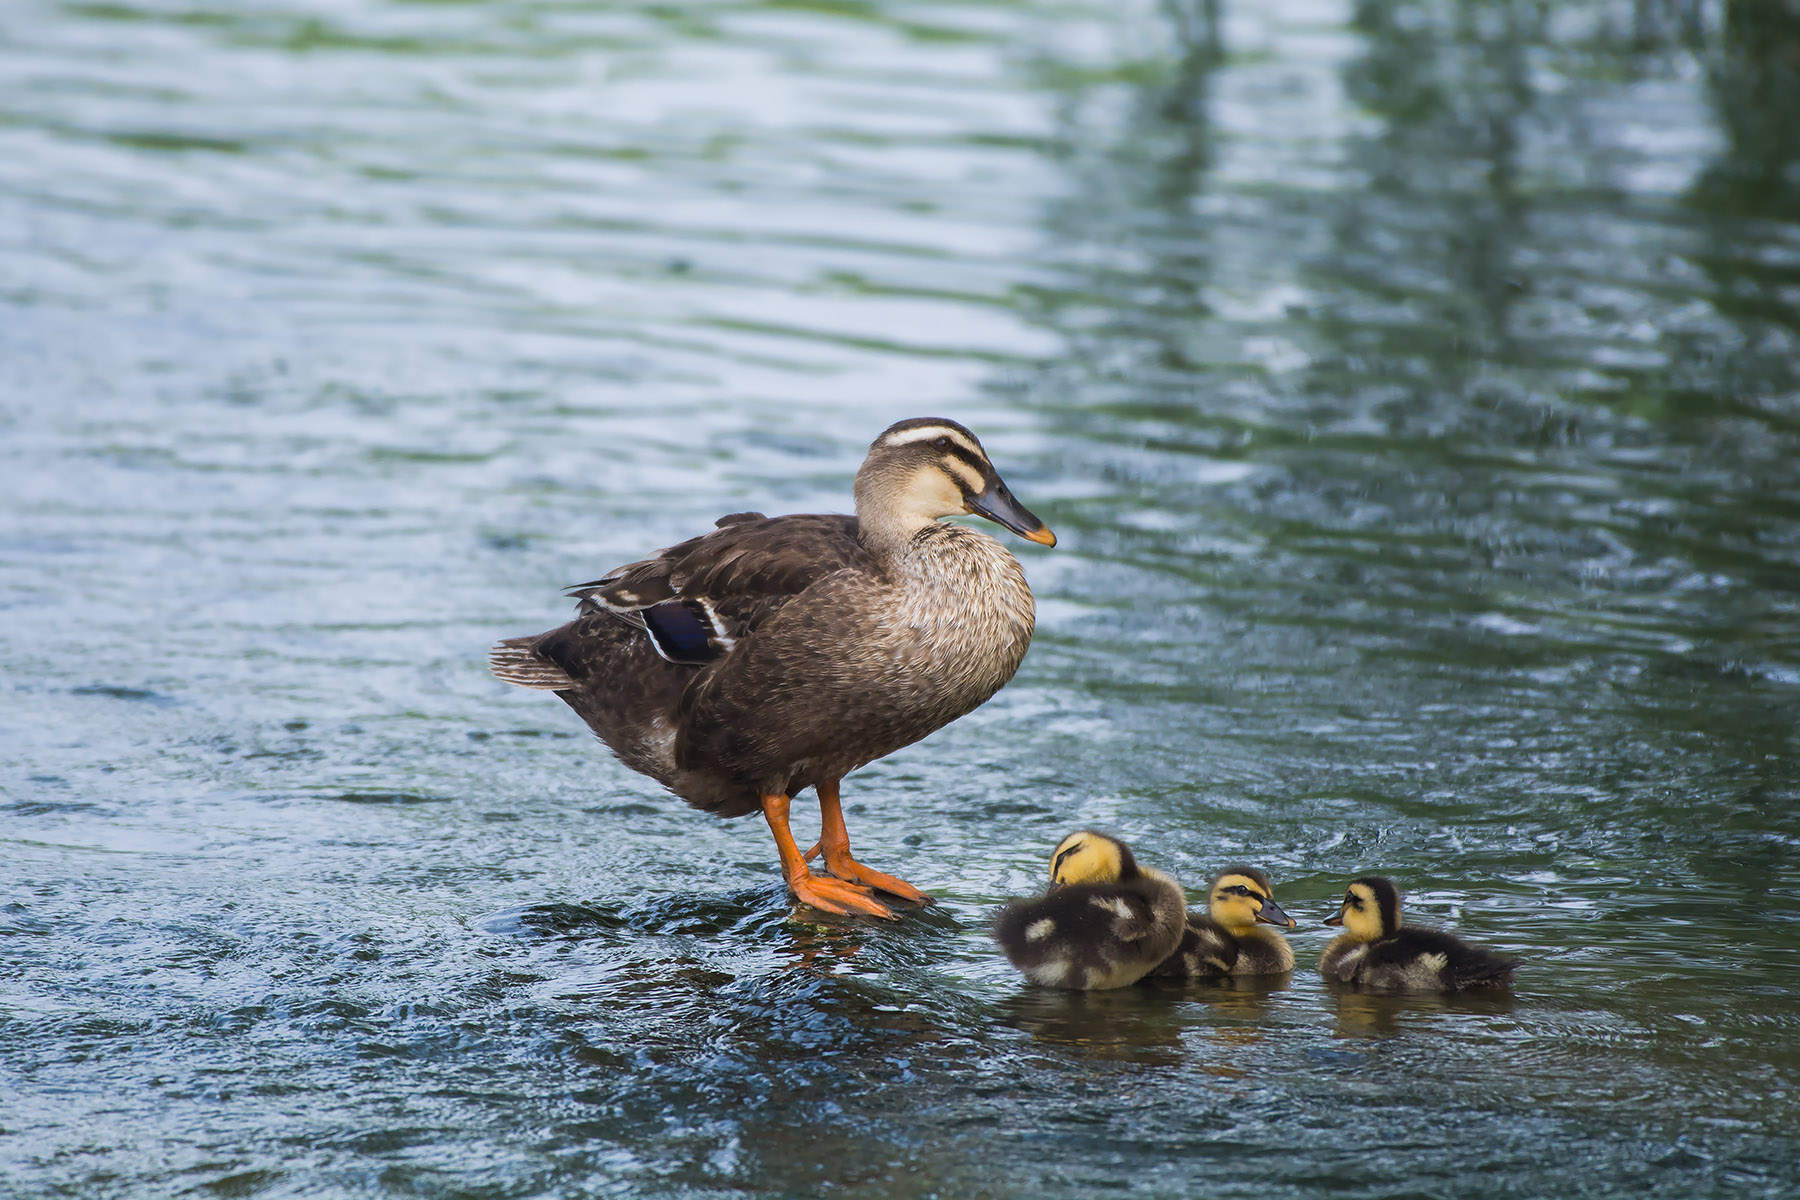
x: 1415, y: 388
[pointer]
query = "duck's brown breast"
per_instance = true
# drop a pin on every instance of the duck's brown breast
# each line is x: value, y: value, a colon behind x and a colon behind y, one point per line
x: 864, y: 663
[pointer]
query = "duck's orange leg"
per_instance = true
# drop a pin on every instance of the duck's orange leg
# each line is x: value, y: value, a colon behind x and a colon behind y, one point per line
x: 822, y: 892
x: 834, y: 840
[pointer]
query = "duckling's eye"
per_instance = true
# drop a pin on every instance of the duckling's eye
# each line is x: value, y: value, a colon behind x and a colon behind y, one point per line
x: 940, y: 443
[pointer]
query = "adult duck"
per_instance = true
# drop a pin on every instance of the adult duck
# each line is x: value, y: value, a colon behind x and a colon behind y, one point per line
x: 774, y: 654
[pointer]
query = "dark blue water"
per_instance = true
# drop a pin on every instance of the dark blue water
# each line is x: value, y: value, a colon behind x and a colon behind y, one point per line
x: 1415, y: 388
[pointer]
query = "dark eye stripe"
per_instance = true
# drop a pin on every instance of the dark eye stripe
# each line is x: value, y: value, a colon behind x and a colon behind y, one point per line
x: 962, y: 484
x: 957, y: 450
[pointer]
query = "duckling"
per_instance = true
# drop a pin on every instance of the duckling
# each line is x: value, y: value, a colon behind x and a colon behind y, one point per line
x: 1228, y: 939
x: 1375, y: 952
x: 775, y: 654
x: 1105, y: 922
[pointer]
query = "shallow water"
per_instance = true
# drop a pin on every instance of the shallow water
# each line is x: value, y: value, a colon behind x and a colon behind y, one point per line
x: 1415, y: 388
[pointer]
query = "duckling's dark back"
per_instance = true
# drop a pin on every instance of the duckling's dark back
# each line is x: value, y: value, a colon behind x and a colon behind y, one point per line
x: 1207, y: 950
x: 1102, y: 935
x: 1413, y: 959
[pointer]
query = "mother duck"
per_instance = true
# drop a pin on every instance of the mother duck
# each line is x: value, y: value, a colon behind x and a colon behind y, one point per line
x: 774, y: 654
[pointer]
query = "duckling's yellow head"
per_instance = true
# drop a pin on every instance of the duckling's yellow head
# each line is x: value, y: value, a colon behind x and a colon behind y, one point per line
x: 1089, y: 857
x: 1371, y: 909
x: 931, y: 467
x: 1241, y: 897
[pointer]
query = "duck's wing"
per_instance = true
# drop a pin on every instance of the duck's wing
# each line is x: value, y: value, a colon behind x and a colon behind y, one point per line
x: 1429, y: 959
x: 1207, y: 949
x: 1131, y: 916
x: 695, y: 599
x: 1474, y: 967
x: 1341, y: 959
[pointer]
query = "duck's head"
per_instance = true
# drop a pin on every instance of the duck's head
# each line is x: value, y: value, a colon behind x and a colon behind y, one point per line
x: 930, y: 467
x: 1089, y: 857
x: 1242, y: 897
x: 1371, y: 909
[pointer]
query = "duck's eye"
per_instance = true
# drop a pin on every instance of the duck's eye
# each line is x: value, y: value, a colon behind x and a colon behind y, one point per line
x: 940, y: 443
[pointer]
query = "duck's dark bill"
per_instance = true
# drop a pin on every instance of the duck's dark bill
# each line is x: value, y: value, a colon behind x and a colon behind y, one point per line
x: 1271, y: 914
x: 1335, y: 919
x: 997, y: 505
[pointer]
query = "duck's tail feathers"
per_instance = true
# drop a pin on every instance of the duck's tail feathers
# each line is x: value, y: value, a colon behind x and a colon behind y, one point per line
x: 515, y: 661
x: 1488, y: 971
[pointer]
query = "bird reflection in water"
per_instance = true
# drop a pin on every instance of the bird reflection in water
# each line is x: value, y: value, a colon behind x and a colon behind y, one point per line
x: 821, y: 947
x: 1243, y: 1003
x: 1150, y: 1022
x: 1363, y: 1014
x: 1246, y: 996
x: 1135, y: 1024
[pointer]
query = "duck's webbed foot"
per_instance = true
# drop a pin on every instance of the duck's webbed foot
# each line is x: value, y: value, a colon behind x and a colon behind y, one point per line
x: 836, y: 896
x: 821, y: 892
x: 834, y: 843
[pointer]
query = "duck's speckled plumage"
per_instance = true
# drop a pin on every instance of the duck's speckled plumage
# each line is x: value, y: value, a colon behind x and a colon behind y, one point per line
x: 839, y: 660
x: 777, y: 653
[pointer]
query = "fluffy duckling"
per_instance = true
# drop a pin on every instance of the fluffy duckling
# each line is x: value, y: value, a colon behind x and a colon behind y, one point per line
x: 1106, y: 922
x: 1375, y: 952
x: 1228, y: 939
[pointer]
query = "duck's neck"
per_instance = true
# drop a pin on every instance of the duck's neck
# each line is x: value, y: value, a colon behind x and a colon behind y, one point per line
x: 887, y: 524
x: 968, y: 562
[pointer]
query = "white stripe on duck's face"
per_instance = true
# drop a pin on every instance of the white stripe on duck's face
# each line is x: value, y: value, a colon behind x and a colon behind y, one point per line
x: 895, y: 438
x: 949, y: 447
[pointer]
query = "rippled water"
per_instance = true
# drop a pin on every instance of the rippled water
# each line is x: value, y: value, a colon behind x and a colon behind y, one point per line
x: 1415, y: 388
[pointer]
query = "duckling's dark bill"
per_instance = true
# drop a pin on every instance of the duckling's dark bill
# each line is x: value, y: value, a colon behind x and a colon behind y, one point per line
x: 1271, y: 914
x: 996, y: 503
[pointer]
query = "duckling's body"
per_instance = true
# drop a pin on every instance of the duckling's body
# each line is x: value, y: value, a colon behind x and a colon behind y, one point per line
x: 1376, y: 951
x: 1230, y: 938
x: 1106, y: 922
x: 779, y: 653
